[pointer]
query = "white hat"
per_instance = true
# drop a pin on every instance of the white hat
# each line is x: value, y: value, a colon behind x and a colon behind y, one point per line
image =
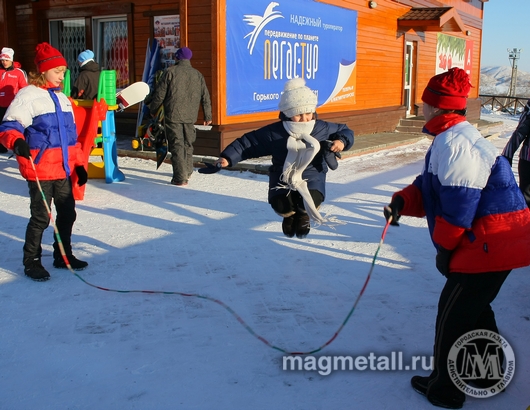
x: 7, y: 54
x: 297, y: 98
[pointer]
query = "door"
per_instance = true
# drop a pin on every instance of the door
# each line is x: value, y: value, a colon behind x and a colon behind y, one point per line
x: 409, y: 79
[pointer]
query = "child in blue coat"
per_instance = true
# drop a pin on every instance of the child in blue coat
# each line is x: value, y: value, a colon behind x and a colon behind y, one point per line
x: 301, y: 148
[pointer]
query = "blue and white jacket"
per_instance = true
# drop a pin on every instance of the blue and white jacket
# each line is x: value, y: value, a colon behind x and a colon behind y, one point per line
x: 472, y: 202
x: 50, y: 132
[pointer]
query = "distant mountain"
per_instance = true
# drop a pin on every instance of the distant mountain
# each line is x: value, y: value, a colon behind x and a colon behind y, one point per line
x: 495, y: 80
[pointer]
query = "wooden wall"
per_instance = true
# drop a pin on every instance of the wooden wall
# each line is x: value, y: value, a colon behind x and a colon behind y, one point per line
x: 380, y: 55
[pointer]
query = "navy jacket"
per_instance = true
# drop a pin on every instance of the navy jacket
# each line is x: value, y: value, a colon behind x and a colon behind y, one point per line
x: 271, y: 140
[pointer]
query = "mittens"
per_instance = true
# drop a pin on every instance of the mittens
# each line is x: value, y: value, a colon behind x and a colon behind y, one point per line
x: 21, y: 148
x: 393, y: 209
x: 82, y: 176
x: 443, y: 258
x: 329, y: 156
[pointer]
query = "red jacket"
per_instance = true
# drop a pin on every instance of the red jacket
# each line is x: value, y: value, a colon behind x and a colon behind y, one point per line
x: 11, y: 80
x: 32, y: 116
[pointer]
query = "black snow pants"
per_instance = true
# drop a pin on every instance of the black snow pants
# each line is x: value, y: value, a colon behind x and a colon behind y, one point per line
x: 60, y: 191
x: 464, y: 305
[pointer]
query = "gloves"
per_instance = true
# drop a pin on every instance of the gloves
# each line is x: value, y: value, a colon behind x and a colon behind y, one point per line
x: 393, y: 209
x: 21, y: 148
x: 82, y: 175
x: 329, y: 156
x: 443, y: 257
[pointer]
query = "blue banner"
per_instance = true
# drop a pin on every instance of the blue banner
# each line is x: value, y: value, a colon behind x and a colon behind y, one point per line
x: 270, y: 42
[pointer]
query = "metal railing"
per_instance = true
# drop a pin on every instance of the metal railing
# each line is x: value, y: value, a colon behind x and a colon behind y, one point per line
x: 503, y: 103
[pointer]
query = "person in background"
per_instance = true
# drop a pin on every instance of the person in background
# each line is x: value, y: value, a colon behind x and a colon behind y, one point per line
x: 181, y: 91
x: 39, y: 127
x: 302, y: 147
x: 87, y: 83
x: 12, y: 79
x: 478, y: 221
x: 520, y: 136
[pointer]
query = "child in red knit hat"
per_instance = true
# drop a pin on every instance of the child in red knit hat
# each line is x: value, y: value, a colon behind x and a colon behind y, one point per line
x: 478, y: 221
x: 39, y: 127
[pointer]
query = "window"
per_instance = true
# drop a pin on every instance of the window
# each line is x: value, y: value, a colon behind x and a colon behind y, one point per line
x: 112, y: 47
x: 68, y: 36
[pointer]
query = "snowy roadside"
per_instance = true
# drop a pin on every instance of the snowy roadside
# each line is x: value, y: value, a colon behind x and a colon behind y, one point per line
x: 66, y: 345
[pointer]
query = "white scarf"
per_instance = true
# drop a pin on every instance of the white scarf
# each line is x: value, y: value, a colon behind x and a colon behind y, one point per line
x: 302, y: 148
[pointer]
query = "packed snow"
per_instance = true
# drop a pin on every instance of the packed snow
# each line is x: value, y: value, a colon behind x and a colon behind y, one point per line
x: 68, y: 345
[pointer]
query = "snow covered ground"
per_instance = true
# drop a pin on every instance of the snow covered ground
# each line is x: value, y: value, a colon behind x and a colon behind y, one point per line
x: 66, y: 345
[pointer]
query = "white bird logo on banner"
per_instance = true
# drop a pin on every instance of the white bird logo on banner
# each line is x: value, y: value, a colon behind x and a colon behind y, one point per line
x: 259, y: 22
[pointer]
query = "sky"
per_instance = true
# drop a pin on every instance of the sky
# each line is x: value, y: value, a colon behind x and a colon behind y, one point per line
x: 70, y: 344
x: 505, y: 27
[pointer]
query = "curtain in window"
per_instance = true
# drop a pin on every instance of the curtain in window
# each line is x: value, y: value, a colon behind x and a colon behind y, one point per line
x: 115, y: 54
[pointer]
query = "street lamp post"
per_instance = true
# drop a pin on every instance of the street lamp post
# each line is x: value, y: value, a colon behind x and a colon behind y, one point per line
x: 513, y: 55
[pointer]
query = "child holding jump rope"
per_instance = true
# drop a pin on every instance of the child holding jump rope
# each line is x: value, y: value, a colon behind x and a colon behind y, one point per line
x: 478, y: 221
x: 39, y: 127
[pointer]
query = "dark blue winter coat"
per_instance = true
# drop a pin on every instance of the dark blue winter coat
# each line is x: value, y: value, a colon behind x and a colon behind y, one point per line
x: 272, y: 140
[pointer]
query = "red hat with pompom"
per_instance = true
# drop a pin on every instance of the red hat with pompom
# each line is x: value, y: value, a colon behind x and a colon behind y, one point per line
x: 448, y: 90
x: 48, y: 57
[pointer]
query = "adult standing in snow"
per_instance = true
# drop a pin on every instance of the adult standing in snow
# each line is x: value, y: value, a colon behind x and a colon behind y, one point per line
x: 39, y: 126
x: 520, y: 136
x: 478, y: 221
x: 181, y: 91
x: 297, y: 177
x: 87, y: 83
x: 12, y: 79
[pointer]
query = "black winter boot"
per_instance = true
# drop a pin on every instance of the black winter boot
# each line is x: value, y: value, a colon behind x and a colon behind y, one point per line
x: 288, y: 226
x: 302, y: 225
x: 75, y: 263
x: 454, y: 400
x: 448, y: 399
x: 419, y: 383
x: 33, y: 269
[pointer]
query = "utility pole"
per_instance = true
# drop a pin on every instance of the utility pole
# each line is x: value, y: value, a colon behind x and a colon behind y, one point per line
x: 513, y: 55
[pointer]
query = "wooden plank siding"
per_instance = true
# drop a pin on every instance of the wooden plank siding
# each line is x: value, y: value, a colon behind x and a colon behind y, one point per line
x: 380, y: 55
x: 200, y: 38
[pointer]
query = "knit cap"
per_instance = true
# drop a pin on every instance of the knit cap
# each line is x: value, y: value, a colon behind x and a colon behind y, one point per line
x: 448, y: 90
x: 7, y: 54
x: 297, y: 98
x: 183, y: 53
x: 48, y: 57
x: 85, y: 57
